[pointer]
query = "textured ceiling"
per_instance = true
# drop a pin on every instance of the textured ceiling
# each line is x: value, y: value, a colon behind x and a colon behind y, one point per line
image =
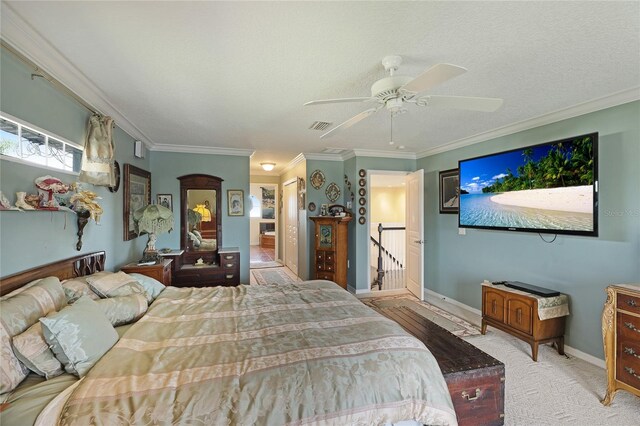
x: 236, y: 74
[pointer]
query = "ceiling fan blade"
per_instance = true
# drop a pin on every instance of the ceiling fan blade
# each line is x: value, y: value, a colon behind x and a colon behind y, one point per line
x: 339, y: 101
x: 464, y: 102
x: 435, y: 75
x: 350, y: 122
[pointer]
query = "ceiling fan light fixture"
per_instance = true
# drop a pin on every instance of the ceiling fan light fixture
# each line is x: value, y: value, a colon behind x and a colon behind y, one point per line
x: 267, y: 167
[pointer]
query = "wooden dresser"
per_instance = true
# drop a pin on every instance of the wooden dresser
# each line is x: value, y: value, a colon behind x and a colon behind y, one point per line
x: 331, y: 249
x: 224, y: 271
x: 517, y: 314
x: 160, y: 271
x: 621, y: 338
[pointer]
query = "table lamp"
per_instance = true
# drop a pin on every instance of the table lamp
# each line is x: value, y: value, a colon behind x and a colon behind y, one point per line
x: 152, y: 219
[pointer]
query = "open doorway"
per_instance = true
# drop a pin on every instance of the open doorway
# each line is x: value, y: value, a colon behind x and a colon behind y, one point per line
x: 387, y: 231
x: 396, y: 240
x: 264, y: 225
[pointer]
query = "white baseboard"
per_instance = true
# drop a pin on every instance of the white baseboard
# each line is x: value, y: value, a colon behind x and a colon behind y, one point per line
x: 568, y: 349
x: 585, y: 356
x: 453, y: 301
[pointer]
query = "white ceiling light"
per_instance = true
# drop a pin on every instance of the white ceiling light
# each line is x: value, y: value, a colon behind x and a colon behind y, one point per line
x: 267, y: 167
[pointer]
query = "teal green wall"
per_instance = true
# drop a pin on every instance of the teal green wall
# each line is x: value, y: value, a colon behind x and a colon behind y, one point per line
x: 581, y: 267
x: 168, y: 166
x: 28, y: 239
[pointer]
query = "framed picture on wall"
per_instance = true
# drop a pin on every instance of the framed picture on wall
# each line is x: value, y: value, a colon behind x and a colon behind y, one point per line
x: 137, y: 194
x: 165, y: 200
x: 235, y: 199
x: 449, y: 191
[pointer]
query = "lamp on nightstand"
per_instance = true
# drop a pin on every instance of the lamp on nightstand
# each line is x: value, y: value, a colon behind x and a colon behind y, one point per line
x: 153, y: 219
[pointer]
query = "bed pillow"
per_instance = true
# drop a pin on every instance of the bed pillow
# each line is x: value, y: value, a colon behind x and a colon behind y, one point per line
x: 33, y: 351
x: 115, y: 284
x: 198, y: 235
x: 79, y: 335
x: 75, y: 288
x: 152, y: 286
x: 194, y: 239
x: 17, y: 314
x: 123, y: 309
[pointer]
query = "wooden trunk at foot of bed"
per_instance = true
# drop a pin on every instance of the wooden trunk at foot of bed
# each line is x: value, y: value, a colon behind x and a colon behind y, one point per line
x: 474, y: 378
x: 78, y: 266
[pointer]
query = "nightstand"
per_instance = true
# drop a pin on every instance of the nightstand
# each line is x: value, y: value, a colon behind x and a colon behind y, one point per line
x: 161, y: 271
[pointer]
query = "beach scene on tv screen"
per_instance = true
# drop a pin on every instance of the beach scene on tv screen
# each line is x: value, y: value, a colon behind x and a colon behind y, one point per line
x: 548, y: 186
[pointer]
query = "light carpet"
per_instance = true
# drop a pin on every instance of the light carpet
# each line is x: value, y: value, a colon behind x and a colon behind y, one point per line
x: 444, y: 319
x: 556, y: 390
x: 282, y: 275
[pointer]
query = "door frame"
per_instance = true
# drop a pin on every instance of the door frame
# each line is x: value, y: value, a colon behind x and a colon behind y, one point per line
x: 288, y: 182
x: 368, y: 218
x: 277, y: 215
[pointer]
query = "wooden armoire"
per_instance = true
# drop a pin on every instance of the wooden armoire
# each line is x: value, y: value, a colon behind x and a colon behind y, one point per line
x: 331, y: 249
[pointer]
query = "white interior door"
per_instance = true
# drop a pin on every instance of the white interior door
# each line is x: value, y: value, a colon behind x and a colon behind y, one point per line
x: 415, y: 233
x: 291, y: 226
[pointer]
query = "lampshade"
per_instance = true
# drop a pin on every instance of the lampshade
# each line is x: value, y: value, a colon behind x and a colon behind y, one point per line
x: 204, y: 212
x: 153, y: 219
x: 267, y: 167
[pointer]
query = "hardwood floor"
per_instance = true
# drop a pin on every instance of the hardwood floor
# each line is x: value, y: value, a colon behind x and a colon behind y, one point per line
x: 259, y: 254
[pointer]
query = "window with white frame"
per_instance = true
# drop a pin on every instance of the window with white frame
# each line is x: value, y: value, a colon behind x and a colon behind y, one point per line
x: 24, y: 142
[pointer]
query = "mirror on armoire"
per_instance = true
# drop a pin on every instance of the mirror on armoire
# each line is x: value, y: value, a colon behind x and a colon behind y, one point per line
x: 200, y: 217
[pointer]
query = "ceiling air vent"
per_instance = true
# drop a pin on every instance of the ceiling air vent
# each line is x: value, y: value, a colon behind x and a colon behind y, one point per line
x: 320, y: 125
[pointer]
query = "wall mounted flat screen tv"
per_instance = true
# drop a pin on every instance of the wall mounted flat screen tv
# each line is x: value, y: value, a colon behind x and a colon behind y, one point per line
x: 546, y: 188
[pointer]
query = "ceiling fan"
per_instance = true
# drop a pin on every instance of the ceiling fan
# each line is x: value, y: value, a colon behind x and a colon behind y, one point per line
x: 394, y: 91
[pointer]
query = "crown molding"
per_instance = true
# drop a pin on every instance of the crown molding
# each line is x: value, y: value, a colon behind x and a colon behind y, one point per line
x: 322, y: 156
x: 293, y: 163
x: 193, y: 149
x: 20, y: 35
x: 403, y: 155
x: 609, y: 101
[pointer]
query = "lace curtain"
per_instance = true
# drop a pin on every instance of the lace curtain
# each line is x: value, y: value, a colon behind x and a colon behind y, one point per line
x: 98, y: 156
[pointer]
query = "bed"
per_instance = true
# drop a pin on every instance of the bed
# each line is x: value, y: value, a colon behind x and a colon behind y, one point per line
x: 306, y: 353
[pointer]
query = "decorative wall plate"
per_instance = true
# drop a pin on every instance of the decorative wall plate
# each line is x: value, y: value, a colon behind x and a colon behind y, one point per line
x: 312, y: 207
x: 362, y: 220
x: 362, y: 201
x: 333, y: 192
x: 362, y: 211
x: 317, y: 179
x: 362, y: 192
x: 362, y: 182
x: 116, y: 172
x: 362, y: 173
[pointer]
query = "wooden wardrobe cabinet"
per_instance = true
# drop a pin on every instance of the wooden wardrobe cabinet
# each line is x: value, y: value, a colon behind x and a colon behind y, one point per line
x: 331, y: 249
x: 621, y: 337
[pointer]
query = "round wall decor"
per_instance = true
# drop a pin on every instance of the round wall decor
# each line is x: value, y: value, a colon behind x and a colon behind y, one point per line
x: 333, y: 192
x: 362, y: 211
x: 362, y: 182
x: 362, y: 220
x: 362, y: 192
x: 317, y: 179
x: 312, y: 207
x: 116, y: 172
x: 362, y: 201
x: 362, y: 173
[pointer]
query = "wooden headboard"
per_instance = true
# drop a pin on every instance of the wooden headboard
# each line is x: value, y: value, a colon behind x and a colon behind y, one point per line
x: 78, y: 266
